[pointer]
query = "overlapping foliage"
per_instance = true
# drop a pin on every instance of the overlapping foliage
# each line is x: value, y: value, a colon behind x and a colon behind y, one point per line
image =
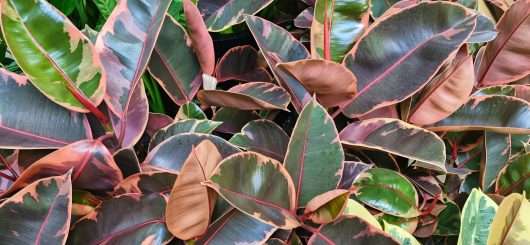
x: 338, y: 122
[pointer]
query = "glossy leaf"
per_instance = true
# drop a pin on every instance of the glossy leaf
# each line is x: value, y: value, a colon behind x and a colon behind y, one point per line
x: 221, y: 14
x: 332, y: 83
x: 336, y: 25
x: 125, y: 219
x: 244, y: 179
x: 145, y: 183
x: 446, y: 92
x: 511, y: 224
x: 314, y: 156
x: 233, y: 120
x: 519, y: 91
x: 327, y: 206
x: 171, y: 154
x: 387, y: 191
x: 379, y: 7
x: 92, y: 166
x: 484, y: 31
x: 236, y: 227
x: 492, y: 112
x: 448, y: 220
x: 264, y: 137
x: 200, y: 38
x: 279, y: 46
x: 515, y: 177
x: 400, y: 235
x: 174, y: 63
x: 183, y: 126
x: 124, y: 65
x: 350, y: 230
x: 352, y: 169
x: 382, y: 71
x: 513, y: 26
x: 59, y: 60
x: 37, y: 123
x: 396, y: 137
x: 242, y: 64
x: 127, y: 161
x: 190, y: 203
x: 39, y: 213
x: 248, y: 96
x: 156, y: 122
x: 477, y: 216
x: 497, y: 154
x: 305, y: 18
x: 353, y: 208
x: 190, y: 111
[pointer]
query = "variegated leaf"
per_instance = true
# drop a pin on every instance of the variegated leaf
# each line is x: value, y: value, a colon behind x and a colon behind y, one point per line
x: 477, y: 216
x: 511, y: 224
x: 242, y: 64
x: 148, y: 182
x: 181, y: 127
x: 200, y: 38
x: 221, y: 14
x: 263, y: 136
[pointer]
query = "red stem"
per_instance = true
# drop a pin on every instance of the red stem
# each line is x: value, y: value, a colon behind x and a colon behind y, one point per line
x: 90, y: 106
x: 7, y: 177
x: 13, y: 172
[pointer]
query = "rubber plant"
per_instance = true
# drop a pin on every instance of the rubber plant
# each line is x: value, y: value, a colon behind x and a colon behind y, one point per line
x: 365, y: 122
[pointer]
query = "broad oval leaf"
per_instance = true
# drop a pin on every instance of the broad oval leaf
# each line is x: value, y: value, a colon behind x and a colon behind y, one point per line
x: 388, y: 191
x: 477, y: 216
x: 496, y: 155
x: 513, y: 27
x: 190, y: 110
x: 350, y: 230
x: 446, y: 92
x: 244, y: 180
x: 233, y: 120
x: 379, y: 7
x: 279, y: 46
x: 125, y: 219
x: 221, y: 14
x: 38, y: 123
x: 200, y: 38
x: 136, y: 23
x: 264, y: 137
x: 181, y: 127
x: 236, y: 227
x: 173, y: 152
x: 156, y: 122
x: 511, y: 224
x: 174, y: 63
x: 353, y: 208
x: 127, y: 161
x: 39, y: 213
x: 383, y: 71
x: 336, y: 25
x: 448, y: 220
x: 92, y: 166
x: 190, y: 203
x: 515, y: 177
x: 314, y: 156
x: 400, y: 234
x: 332, y: 83
x: 396, y: 137
x: 327, y: 206
x: 248, y: 96
x: 484, y: 31
x: 242, y: 64
x: 495, y: 113
x: 147, y: 182
x: 59, y: 60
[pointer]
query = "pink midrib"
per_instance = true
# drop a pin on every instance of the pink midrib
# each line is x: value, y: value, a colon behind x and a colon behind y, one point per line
x: 170, y: 71
x: 41, y: 230
x: 33, y: 135
x: 302, y: 161
x: 84, y: 162
x: 220, y: 227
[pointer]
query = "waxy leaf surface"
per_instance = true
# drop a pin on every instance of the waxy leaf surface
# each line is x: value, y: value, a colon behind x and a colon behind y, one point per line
x: 327, y: 206
x: 242, y: 64
x: 511, y: 224
x: 515, y: 177
x: 221, y: 14
x: 477, y: 216
x: 147, y: 182
x: 264, y: 137
x: 200, y: 38
x: 181, y: 127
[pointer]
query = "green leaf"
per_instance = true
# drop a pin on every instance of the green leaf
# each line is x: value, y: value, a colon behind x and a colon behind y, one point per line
x: 236, y: 227
x: 327, y: 206
x: 279, y: 46
x: 181, y: 127
x: 314, y: 156
x: 66, y: 7
x: 477, y: 216
x: 379, y: 7
x: 337, y: 24
x: 353, y: 208
x: 350, y: 230
x: 515, y: 177
x: 511, y: 224
x: 124, y: 219
x: 383, y: 71
x: 494, y: 113
x: 264, y: 137
x: 37, y: 123
x: 222, y: 14
x: 174, y: 63
x: 248, y: 96
x: 190, y: 111
x: 448, y: 220
x: 59, y: 60
x: 105, y: 7
x: 39, y: 213
x: 497, y: 154
x: 145, y: 183
x: 387, y: 191
x: 173, y: 152
x: 400, y: 235
x: 244, y: 179
x: 396, y: 137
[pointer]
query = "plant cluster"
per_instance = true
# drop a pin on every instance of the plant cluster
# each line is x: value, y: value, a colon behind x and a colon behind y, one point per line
x: 340, y: 122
